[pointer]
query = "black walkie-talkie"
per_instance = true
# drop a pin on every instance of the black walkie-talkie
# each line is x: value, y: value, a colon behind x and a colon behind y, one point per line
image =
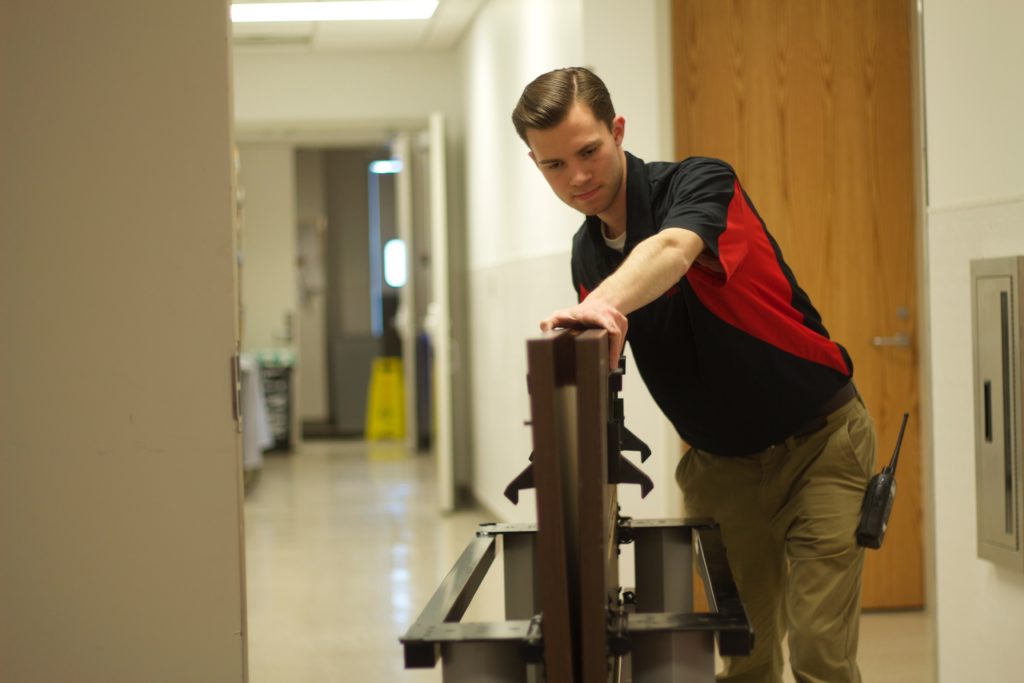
x: 874, y: 513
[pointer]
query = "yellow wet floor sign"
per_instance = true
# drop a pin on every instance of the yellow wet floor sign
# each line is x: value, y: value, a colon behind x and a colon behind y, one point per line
x: 385, y: 405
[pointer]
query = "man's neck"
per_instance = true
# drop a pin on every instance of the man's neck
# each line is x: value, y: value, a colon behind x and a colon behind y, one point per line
x: 614, y: 218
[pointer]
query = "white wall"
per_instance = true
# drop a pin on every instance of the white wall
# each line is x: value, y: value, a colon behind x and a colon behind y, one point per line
x: 269, y: 281
x: 511, y: 43
x: 311, y: 208
x: 120, y: 471
x: 975, y: 96
x: 974, y: 99
x: 520, y: 234
x: 338, y: 90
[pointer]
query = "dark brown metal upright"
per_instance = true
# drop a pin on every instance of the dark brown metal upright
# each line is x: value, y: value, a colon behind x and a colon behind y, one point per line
x: 598, y: 505
x: 576, y: 506
x: 552, y: 447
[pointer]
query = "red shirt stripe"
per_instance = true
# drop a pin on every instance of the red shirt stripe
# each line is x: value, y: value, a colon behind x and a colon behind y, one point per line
x: 755, y: 295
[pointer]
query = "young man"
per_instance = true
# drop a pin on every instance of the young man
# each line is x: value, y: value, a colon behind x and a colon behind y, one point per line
x: 675, y: 258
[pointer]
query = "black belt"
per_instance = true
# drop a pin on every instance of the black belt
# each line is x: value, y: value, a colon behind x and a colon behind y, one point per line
x: 838, y: 400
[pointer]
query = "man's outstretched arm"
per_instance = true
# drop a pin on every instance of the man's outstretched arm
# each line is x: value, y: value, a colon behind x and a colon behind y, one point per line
x: 653, y: 267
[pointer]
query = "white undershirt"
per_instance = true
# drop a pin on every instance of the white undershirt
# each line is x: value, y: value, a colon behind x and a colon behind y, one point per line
x: 616, y: 243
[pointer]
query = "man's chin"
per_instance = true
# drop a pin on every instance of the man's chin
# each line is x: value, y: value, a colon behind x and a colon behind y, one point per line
x: 590, y: 208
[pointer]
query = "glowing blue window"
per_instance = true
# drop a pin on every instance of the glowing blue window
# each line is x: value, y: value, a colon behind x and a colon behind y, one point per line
x: 386, y: 166
x: 394, y: 263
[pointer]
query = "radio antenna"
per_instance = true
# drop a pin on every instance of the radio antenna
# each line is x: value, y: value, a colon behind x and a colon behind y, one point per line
x: 899, y: 441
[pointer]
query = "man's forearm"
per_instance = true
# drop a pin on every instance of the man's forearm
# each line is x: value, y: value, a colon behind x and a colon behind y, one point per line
x: 652, y: 268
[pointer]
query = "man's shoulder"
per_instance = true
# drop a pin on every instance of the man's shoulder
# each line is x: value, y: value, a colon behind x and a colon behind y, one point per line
x: 659, y: 170
x: 690, y: 177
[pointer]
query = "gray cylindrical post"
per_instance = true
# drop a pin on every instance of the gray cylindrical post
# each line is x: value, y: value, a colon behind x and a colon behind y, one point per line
x: 494, y: 662
x: 664, y: 583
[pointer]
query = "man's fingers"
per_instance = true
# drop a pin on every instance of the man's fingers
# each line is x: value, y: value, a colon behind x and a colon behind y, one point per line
x: 615, y: 349
x: 606, y: 318
x: 617, y: 341
x: 549, y: 323
x: 558, y: 319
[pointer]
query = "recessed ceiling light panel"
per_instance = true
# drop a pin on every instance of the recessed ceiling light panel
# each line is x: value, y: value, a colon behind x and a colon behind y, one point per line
x: 351, y: 10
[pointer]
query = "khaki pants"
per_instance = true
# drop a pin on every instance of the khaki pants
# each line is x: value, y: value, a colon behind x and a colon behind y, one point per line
x: 789, y: 517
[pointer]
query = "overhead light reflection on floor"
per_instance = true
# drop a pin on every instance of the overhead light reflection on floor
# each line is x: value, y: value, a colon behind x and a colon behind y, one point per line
x: 384, y: 451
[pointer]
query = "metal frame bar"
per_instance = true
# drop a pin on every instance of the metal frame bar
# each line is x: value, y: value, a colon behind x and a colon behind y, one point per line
x: 448, y: 604
x: 722, y: 594
x: 566, y: 566
x: 482, y: 662
x: 495, y: 652
x: 519, y: 551
x: 728, y: 619
x: 664, y: 585
x: 668, y: 642
x: 522, y: 586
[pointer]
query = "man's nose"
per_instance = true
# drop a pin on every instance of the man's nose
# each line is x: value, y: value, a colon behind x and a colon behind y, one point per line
x: 579, y: 175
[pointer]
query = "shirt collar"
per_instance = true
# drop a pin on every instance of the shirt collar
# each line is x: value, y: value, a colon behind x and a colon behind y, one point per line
x: 639, y: 213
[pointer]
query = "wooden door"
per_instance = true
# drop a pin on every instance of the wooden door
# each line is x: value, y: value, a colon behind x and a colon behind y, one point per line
x: 811, y: 102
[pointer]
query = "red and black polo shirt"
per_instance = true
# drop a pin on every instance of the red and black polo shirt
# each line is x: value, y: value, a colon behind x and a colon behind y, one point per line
x: 735, y: 354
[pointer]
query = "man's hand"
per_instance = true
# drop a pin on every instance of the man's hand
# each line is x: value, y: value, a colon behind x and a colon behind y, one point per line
x: 593, y: 312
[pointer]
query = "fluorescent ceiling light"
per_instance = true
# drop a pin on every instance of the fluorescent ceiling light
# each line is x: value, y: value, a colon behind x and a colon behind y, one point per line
x: 386, y: 166
x: 395, y: 273
x: 351, y: 10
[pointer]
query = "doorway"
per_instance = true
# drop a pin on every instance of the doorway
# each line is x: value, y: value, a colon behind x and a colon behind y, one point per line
x: 421, y: 213
x: 363, y: 236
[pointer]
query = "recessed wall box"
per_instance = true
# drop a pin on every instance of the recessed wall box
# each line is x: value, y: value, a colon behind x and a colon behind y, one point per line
x: 997, y: 292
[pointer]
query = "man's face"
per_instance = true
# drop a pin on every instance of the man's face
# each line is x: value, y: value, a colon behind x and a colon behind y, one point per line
x: 581, y: 159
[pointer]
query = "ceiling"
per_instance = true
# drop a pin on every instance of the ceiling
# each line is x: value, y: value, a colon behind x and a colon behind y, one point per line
x: 440, y: 32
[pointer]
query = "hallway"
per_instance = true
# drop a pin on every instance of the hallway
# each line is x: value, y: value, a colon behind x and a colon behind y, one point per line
x: 344, y: 548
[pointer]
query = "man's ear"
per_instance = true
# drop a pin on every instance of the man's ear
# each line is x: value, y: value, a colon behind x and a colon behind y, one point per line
x: 618, y: 129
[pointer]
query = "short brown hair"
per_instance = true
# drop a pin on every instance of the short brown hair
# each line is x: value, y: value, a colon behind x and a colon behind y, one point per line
x: 548, y: 98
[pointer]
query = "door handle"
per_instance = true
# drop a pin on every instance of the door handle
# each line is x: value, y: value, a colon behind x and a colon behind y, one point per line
x: 899, y: 339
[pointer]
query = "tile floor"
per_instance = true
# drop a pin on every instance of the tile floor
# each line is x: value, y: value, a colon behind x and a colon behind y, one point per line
x: 344, y: 548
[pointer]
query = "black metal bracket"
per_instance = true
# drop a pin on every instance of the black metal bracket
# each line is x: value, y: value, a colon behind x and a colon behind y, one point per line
x: 618, y: 632
x: 623, y: 528
x: 620, y: 470
x: 522, y: 481
x: 533, y: 644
